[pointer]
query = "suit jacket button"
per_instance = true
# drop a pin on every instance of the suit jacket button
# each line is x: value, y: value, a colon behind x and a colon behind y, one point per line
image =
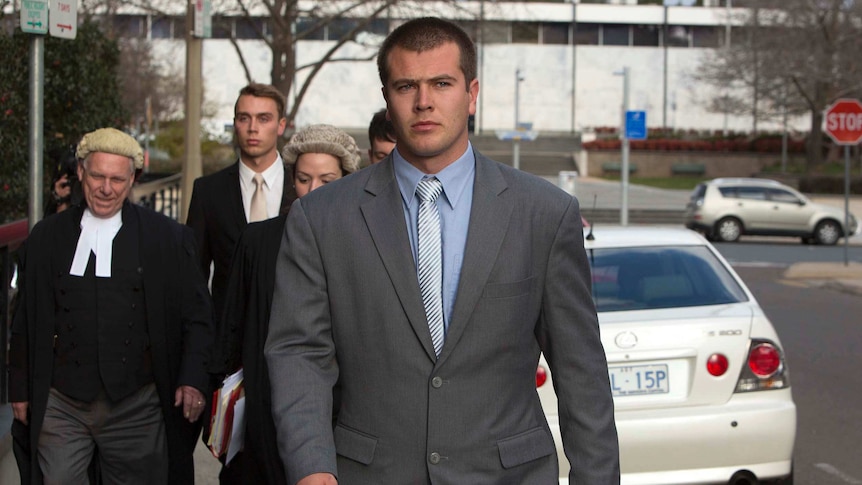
x: 434, y: 458
x: 437, y: 382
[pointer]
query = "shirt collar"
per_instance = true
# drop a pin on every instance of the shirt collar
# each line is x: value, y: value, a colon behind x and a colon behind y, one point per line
x: 454, y: 177
x: 270, y: 175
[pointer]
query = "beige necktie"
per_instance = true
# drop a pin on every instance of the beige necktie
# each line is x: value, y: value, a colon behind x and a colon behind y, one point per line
x: 258, y: 201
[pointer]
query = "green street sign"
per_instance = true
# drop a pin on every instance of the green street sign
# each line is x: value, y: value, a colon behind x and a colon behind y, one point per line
x: 34, y: 16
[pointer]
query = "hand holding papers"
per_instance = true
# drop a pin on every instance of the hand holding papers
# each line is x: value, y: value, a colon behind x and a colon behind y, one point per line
x: 227, y: 428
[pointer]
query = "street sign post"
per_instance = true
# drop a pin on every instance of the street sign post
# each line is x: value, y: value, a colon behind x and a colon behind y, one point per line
x: 843, y: 121
x: 636, y: 125
x: 64, y: 18
x: 34, y: 16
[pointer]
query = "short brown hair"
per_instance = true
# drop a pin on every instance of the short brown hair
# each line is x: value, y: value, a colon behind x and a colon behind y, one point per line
x: 424, y: 34
x: 263, y: 91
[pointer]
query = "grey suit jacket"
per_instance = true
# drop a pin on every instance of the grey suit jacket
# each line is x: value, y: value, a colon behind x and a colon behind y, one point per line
x: 352, y: 317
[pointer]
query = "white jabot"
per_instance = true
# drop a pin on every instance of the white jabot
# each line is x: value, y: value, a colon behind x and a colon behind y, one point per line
x: 97, y: 235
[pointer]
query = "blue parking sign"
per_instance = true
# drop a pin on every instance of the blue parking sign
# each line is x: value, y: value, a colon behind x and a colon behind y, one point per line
x: 636, y: 125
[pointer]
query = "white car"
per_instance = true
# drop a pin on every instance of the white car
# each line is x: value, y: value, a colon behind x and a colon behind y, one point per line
x: 700, y: 383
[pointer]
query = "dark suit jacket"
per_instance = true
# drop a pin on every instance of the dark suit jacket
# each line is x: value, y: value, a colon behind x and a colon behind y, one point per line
x: 217, y: 217
x: 347, y: 311
x: 240, y: 335
x: 179, y: 323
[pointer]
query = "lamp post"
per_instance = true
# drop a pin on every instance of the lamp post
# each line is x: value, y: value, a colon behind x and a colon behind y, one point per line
x: 516, y: 144
x: 624, y: 165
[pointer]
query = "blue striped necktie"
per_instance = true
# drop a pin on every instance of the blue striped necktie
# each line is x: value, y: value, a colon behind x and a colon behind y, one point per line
x: 430, y: 256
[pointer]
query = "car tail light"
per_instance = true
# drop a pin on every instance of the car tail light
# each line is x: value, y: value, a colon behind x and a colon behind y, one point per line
x: 541, y: 376
x: 765, y: 368
x: 764, y: 360
x: 717, y: 365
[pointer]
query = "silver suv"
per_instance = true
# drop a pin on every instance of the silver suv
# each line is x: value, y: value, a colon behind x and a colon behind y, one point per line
x: 726, y: 208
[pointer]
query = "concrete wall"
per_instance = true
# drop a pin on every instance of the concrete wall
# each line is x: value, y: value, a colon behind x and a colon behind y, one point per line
x: 660, y: 164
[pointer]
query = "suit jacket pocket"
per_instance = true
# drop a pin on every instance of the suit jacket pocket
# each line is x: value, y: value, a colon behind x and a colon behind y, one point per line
x: 527, y: 446
x: 507, y: 290
x: 354, y: 445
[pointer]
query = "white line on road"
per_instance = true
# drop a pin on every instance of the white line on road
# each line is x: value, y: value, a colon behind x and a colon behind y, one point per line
x: 831, y: 470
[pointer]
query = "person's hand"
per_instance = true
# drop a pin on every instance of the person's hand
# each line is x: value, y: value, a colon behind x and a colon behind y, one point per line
x: 62, y: 187
x: 19, y: 409
x: 318, y: 479
x: 192, y: 402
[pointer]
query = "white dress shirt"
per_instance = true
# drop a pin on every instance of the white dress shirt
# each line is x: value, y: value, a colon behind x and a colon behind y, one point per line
x: 273, y: 186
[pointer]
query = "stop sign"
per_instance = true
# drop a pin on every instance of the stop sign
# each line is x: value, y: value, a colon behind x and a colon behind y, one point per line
x: 843, y: 121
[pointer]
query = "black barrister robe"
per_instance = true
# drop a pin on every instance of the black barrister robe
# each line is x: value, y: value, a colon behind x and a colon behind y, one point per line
x: 179, y: 321
x: 240, y: 336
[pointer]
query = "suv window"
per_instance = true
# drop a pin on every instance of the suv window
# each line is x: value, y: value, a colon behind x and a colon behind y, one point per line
x: 698, y: 193
x: 756, y: 193
x: 729, y: 192
x: 779, y: 195
x: 660, y: 277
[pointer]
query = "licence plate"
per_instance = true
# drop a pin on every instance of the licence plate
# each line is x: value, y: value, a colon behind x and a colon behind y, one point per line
x: 634, y: 380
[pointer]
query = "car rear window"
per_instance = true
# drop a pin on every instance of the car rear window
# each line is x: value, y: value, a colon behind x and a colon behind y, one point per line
x: 660, y: 277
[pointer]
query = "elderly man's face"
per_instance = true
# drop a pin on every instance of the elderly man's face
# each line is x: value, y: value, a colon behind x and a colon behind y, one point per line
x: 107, y: 180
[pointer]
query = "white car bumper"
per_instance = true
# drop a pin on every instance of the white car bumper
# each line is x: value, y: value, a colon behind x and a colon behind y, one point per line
x: 704, y: 444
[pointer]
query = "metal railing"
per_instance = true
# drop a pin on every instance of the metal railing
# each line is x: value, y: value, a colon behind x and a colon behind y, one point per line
x: 161, y: 195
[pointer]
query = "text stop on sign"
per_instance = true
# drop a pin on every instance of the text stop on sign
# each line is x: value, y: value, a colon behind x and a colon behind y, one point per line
x: 843, y: 121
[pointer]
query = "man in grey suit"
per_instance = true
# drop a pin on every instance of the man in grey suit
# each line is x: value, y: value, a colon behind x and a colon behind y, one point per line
x: 423, y: 401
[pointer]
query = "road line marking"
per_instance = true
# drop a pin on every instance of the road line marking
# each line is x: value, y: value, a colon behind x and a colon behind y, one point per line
x: 831, y: 470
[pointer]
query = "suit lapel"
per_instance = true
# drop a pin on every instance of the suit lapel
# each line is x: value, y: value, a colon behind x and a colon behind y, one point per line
x: 384, y: 215
x: 490, y: 217
x: 233, y: 194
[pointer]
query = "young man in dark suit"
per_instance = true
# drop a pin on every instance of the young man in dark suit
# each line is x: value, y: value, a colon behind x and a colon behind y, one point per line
x: 424, y: 288
x: 222, y: 202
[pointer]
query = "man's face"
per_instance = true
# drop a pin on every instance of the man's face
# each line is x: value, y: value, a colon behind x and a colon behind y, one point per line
x: 429, y: 105
x: 380, y: 148
x: 258, y: 125
x: 107, y: 181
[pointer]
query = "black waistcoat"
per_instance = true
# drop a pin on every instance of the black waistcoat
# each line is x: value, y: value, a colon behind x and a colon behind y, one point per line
x: 101, y: 339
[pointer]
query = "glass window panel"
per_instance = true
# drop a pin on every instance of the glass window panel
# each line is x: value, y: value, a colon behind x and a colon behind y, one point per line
x: 555, y: 33
x: 470, y: 27
x: 647, y: 35
x: 222, y: 27
x: 614, y: 34
x: 377, y: 26
x: 496, y: 32
x: 179, y: 24
x: 131, y: 26
x: 339, y: 28
x: 305, y: 30
x: 525, y: 32
x: 707, y: 36
x: 160, y: 28
x: 587, y: 34
x: 678, y: 36
x: 249, y: 28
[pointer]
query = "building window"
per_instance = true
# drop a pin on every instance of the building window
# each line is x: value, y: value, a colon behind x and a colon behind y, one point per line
x: 707, y: 36
x: 249, y: 28
x: 339, y: 28
x: 525, y: 32
x: 646, y: 35
x: 496, y: 32
x: 161, y: 28
x: 470, y: 27
x: 307, y: 29
x: 377, y: 26
x: 222, y: 27
x: 130, y: 26
x: 555, y: 33
x: 587, y: 34
x: 614, y: 34
x: 678, y: 36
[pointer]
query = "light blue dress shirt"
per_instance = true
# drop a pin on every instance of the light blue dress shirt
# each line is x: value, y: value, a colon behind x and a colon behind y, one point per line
x: 454, y: 205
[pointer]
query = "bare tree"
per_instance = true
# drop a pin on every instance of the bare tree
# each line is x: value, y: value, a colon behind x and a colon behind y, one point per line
x: 798, y: 55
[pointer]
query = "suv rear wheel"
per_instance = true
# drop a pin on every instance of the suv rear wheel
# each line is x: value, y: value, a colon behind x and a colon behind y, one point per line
x: 827, y: 232
x: 728, y: 229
